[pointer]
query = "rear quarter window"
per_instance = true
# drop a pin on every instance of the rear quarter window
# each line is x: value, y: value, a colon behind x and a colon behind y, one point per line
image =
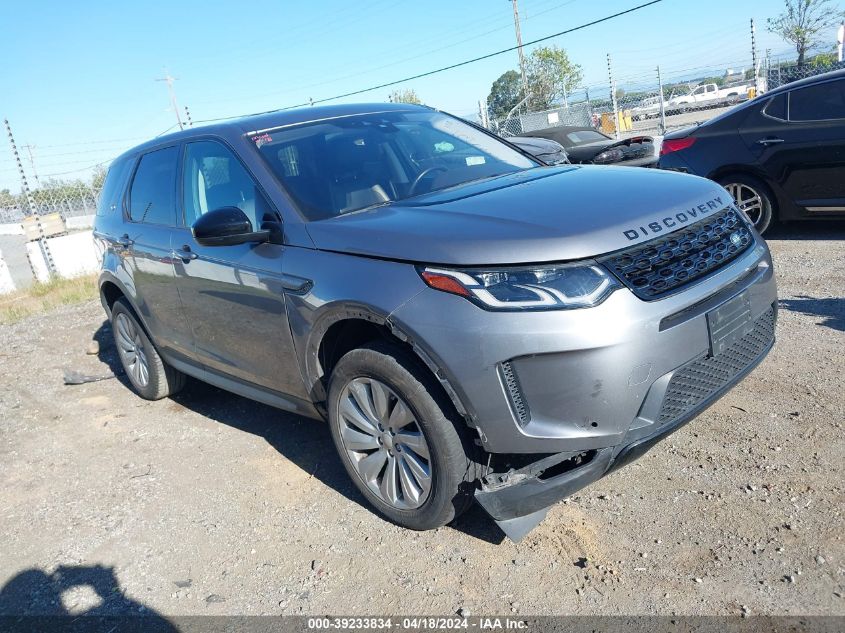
x: 113, y: 185
x: 776, y: 108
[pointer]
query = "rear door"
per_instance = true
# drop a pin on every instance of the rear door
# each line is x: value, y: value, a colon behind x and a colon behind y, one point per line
x: 799, y: 141
x: 233, y: 296
x: 151, y: 221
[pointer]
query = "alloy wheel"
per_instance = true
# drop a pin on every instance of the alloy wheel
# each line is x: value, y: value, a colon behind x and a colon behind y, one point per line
x: 131, y: 350
x: 748, y: 200
x: 385, y: 443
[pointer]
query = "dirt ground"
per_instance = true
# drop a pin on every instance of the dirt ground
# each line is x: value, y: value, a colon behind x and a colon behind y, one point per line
x: 208, y: 503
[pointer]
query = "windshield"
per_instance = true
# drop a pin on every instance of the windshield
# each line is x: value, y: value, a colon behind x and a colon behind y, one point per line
x: 351, y: 163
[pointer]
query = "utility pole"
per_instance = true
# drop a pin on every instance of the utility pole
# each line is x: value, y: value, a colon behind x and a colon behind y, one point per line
x: 754, y: 55
x: 519, y: 48
x: 840, y: 38
x: 169, y: 81
x: 662, y: 109
x: 30, y: 201
x: 188, y: 117
x: 613, y: 98
x: 29, y: 149
x: 483, y: 116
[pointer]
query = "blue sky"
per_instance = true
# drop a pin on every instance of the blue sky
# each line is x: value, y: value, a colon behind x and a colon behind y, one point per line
x: 79, y: 77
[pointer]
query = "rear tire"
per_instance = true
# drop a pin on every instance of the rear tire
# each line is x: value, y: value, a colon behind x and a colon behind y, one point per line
x: 367, y: 390
x: 149, y: 375
x: 753, y: 197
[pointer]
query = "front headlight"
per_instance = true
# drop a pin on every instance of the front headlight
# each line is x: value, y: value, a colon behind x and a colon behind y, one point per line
x: 541, y: 287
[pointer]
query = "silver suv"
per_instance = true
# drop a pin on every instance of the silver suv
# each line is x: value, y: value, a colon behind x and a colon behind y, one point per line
x: 473, y: 324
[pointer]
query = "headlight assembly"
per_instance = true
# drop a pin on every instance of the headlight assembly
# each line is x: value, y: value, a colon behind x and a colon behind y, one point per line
x: 541, y: 287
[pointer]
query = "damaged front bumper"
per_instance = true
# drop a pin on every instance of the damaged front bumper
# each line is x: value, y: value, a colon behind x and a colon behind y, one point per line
x: 519, y: 499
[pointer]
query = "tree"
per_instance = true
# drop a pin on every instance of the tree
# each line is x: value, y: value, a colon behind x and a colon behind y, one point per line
x: 505, y: 94
x: 824, y: 60
x: 407, y: 95
x: 551, y: 75
x: 804, y: 22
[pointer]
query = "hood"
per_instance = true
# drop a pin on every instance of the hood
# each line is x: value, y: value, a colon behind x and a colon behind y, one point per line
x: 537, y: 215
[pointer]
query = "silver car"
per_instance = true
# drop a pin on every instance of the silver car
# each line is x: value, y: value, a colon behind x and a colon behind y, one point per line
x: 474, y: 326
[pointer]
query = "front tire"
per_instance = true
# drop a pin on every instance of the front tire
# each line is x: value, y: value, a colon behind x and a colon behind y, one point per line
x: 149, y: 375
x: 399, y: 438
x: 753, y: 198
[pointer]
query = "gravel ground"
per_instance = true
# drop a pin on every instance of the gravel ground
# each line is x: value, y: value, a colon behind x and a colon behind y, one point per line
x: 211, y: 504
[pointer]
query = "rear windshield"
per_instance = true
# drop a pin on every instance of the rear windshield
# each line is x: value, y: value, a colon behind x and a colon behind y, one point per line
x: 352, y: 163
x: 585, y: 136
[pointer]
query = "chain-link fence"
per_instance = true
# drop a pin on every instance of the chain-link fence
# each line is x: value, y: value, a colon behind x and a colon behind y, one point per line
x: 636, y: 105
x: 68, y: 199
x: 779, y: 74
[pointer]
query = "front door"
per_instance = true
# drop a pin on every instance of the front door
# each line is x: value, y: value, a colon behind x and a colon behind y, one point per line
x: 233, y: 295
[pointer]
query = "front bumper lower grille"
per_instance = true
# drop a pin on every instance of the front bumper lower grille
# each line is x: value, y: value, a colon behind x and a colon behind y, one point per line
x: 661, y: 266
x: 703, y: 378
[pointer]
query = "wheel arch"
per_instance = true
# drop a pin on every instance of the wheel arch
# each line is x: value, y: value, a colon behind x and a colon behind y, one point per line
x: 112, y: 289
x: 347, y: 327
x: 782, y: 204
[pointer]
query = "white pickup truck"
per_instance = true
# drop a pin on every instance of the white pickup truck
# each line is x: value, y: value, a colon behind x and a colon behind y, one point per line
x: 708, y: 96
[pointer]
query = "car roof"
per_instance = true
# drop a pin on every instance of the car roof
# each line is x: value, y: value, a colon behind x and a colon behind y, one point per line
x: 275, y: 119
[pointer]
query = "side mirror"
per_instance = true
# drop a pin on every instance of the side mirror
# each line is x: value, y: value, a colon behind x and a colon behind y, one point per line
x: 226, y: 226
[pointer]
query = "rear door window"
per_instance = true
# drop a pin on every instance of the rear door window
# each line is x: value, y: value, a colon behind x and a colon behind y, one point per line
x: 821, y: 102
x: 152, y: 195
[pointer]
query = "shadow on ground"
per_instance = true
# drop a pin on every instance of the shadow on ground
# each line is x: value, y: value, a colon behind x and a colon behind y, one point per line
x: 831, y: 310
x: 305, y: 442
x: 88, y: 598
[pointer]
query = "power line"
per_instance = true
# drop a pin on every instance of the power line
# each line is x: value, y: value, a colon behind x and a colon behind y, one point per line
x: 451, y: 66
x: 425, y: 53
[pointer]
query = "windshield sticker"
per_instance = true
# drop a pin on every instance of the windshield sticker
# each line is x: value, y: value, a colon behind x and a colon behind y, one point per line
x: 475, y: 160
x: 263, y: 139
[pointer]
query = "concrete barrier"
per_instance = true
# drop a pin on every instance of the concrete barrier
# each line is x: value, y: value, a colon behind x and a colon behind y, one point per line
x: 7, y: 285
x: 11, y: 229
x: 73, y: 255
x: 79, y: 222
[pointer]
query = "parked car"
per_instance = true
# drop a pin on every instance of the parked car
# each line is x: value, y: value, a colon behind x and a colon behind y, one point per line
x: 781, y: 156
x: 708, y: 96
x: 647, y: 109
x: 472, y: 324
x: 586, y: 145
x: 548, y: 151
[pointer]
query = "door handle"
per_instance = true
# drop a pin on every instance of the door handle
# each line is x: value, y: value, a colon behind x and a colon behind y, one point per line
x: 770, y: 141
x: 124, y: 241
x: 185, y: 253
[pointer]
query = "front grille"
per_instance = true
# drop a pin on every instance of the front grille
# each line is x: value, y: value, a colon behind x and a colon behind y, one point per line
x: 661, y: 266
x: 512, y: 383
x: 703, y: 378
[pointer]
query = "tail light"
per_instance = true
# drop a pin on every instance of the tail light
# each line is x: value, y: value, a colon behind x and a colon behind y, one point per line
x: 676, y: 144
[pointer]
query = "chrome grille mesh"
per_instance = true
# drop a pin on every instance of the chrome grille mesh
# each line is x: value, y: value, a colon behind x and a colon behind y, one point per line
x: 699, y: 380
x: 660, y: 266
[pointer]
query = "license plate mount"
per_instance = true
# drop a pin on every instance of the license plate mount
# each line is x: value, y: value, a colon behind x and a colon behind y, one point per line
x: 729, y: 323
